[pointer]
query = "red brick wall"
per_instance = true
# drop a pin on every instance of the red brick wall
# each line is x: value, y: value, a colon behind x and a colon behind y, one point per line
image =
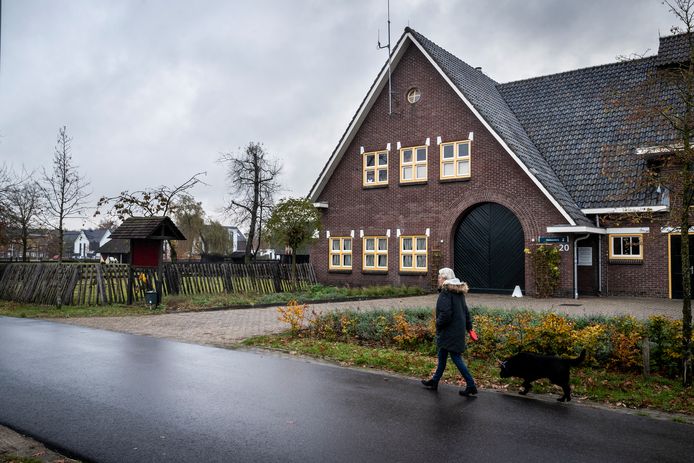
x: 438, y: 206
x: 648, y: 278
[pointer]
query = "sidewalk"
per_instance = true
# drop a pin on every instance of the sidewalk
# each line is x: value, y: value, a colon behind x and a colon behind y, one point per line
x: 224, y: 328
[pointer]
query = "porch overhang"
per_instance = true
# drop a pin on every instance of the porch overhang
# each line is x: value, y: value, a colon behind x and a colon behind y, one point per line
x: 575, y: 229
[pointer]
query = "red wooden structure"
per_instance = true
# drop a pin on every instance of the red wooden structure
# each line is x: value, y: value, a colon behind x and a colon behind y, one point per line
x: 146, y: 235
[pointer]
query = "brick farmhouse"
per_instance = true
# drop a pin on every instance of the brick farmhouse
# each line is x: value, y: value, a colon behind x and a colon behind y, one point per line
x: 460, y: 171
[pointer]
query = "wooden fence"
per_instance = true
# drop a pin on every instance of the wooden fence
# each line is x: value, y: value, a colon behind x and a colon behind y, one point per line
x: 102, y: 284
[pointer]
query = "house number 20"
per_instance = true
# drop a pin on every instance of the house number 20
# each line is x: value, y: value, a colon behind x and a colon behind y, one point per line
x: 563, y: 247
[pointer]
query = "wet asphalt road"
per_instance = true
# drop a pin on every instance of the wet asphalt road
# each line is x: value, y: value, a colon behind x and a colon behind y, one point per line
x: 112, y: 397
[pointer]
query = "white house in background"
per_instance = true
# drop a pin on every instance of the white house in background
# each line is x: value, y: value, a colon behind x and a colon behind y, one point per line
x: 238, y: 239
x: 88, y: 242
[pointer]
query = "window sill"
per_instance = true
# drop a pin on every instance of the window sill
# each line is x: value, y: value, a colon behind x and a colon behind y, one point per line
x: 374, y: 187
x: 613, y: 261
x: 375, y: 272
x: 418, y: 182
x: 339, y: 270
x: 413, y: 272
x: 454, y: 179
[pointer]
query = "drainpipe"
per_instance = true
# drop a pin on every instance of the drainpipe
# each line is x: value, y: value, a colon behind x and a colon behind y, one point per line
x: 576, y: 263
x: 597, y: 224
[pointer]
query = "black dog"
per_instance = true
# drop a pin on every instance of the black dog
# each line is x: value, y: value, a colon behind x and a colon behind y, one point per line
x: 534, y: 366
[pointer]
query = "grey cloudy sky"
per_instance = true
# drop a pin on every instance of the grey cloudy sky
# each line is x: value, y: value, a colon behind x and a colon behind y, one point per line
x: 153, y: 91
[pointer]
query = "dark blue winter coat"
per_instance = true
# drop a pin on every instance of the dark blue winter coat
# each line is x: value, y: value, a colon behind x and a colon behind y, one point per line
x: 452, y: 318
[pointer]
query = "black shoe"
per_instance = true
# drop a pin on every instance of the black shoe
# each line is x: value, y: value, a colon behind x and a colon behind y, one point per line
x: 430, y: 384
x: 468, y: 391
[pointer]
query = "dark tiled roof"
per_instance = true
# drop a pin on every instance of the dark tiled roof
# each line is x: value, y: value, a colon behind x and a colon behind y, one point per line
x: 483, y: 94
x: 94, y: 236
x: 118, y: 246
x: 673, y: 49
x: 148, y: 227
x: 590, y: 143
x: 69, y: 237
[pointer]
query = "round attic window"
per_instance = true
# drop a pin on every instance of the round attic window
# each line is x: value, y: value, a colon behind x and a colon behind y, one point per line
x: 414, y: 95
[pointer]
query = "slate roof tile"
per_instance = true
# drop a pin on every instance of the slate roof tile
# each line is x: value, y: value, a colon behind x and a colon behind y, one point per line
x: 146, y: 227
x: 484, y: 95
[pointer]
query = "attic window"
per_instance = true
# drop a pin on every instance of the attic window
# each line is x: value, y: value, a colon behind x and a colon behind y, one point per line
x: 413, y: 95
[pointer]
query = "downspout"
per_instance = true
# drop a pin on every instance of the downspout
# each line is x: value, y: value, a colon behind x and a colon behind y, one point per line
x: 576, y: 263
x: 597, y: 224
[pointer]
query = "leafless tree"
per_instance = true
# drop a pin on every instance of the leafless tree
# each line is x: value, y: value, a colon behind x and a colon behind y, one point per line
x: 664, y: 105
x: 8, y: 181
x: 25, y: 204
x: 159, y: 201
x: 252, y: 177
x: 64, y: 191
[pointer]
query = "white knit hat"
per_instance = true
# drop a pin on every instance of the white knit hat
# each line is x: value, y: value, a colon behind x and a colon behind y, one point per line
x: 447, y: 273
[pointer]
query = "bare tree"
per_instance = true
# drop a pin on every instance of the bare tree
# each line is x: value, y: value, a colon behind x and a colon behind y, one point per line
x: 159, y: 201
x: 64, y: 191
x: 252, y: 176
x: 664, y: 105
x: 24, y: 204
x: 8, y: 181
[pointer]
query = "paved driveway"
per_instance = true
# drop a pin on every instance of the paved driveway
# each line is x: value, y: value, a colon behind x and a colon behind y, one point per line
x: 223, y: 328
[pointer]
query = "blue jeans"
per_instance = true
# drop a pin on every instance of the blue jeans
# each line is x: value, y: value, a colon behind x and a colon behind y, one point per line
x: 458, y: 360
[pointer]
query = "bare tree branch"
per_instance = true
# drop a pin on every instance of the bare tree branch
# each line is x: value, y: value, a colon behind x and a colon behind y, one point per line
x: 64, y: 191
x: 252, y: 177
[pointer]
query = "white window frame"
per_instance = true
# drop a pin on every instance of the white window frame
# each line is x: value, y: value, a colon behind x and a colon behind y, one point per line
x: 414, y: 252
x: 456, y: 160
x: 341, y: 251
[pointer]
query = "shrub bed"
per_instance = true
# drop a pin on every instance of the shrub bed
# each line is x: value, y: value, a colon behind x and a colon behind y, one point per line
x: 612, y: 343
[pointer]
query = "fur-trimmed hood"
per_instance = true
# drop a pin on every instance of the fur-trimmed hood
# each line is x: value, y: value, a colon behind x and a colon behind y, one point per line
x: 455, y: 286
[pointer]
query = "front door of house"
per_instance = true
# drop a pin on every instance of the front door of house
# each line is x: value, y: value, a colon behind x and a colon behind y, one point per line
x: 587, y: 266
x: 676, y: 264
x: 488, y: 249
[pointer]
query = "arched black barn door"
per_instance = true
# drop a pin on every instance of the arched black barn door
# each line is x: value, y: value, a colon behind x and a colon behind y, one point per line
x: 488, y: 252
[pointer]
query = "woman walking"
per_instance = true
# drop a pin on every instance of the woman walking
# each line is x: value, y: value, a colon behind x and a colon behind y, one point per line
x: 452, y: 321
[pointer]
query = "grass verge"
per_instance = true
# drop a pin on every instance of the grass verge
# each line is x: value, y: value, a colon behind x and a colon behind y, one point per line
x: 15, y: 309
x: 202, y: 302
x: 616, y: 389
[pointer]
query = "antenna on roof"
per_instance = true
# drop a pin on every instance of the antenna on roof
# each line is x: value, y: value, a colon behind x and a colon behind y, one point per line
x: 390, y: 90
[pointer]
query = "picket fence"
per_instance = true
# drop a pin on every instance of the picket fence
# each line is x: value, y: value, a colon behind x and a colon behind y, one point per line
x: 103, y: 284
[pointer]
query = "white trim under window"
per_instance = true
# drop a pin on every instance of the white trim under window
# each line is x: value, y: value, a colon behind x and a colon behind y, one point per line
x: 455, y: 160
x: 375, y: 254
x: 626, y: 246
x: 375, y: 168
x: 413, y: 164
x: 340, y: 253
x: 414, y: 253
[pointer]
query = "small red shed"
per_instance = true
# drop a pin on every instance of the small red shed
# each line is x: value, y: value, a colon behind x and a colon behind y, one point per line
x: 146, y: 235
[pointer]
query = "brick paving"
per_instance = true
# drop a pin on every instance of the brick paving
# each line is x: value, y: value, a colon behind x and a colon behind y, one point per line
x: 223, y: 328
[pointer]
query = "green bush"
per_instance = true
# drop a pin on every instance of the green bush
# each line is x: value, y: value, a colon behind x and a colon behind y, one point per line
x: 612, y: 343
x: 546, y: 261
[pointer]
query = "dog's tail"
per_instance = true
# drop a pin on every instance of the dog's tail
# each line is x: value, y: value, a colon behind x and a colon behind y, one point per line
x: 579, y: 360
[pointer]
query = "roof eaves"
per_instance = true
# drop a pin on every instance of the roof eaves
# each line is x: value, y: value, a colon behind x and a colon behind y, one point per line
x: 356, y: 120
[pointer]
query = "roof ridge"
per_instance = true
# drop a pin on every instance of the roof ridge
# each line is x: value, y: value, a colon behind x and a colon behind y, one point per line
x: 453, y: 55
x: 572, y: 71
